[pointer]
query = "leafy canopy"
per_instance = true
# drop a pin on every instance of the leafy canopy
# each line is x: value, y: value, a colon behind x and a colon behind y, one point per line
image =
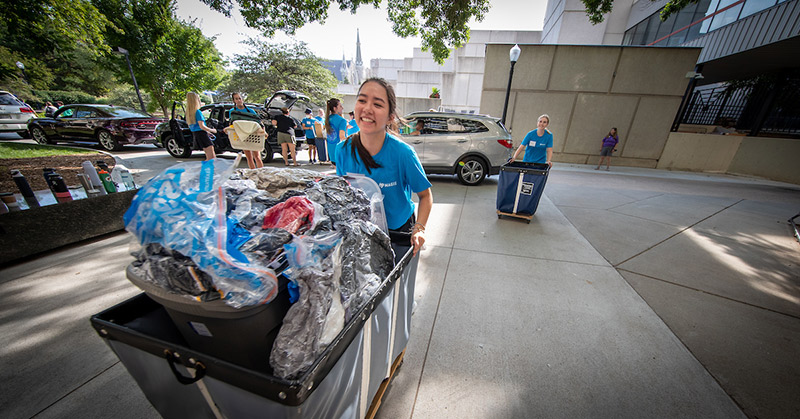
x: 442, y: 25
x: 267, y: 68
x: 595, y: 9
x: 169, y: 57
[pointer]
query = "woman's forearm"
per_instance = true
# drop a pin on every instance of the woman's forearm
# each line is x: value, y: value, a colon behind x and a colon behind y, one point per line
x: 425, y: 206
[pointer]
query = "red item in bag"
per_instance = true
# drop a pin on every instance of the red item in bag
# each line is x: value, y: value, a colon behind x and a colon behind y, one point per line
x: 294, y: 214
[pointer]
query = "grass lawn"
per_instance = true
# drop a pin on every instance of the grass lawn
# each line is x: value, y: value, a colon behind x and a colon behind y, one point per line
x: 23, y: 151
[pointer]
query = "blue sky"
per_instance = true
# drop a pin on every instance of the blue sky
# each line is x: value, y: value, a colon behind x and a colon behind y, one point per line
x: 338, y: 35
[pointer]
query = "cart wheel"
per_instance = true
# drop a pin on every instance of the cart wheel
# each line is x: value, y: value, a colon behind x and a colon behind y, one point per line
x: 499, y: 216
x: 529, y: 221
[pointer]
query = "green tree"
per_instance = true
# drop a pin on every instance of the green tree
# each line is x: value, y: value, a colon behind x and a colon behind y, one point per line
x: 45, y: 35
x: 595, y: 9
x: 268, y: 67
x: 169, y: 57
x: 442, y: 25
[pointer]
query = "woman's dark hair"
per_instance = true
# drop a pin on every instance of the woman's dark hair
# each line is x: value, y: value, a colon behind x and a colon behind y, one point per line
x: 331, y: 105
x: 391, y: 104
x: 616, y: 133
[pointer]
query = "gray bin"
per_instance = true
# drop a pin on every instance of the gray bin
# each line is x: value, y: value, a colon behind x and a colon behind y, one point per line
x: 342, y: 382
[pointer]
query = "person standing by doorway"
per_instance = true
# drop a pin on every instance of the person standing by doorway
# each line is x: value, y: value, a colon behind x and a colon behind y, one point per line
x: 608, y: 147
x: 286, y: 126
x: 537, y: 144
x: 197, y: 125
x: 311, y: 138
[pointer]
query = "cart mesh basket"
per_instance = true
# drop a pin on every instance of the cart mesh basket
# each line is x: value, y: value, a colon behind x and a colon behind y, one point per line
x: 246, y: 135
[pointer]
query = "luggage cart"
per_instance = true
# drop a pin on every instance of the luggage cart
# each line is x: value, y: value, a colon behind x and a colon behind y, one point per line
x: 519, y: 189
x: 346, y: 381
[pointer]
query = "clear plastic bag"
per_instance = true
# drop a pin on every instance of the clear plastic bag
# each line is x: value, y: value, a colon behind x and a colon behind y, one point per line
x: 184, y: 209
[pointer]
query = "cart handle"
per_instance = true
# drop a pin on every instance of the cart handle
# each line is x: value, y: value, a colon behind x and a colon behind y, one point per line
x: 200, y: 369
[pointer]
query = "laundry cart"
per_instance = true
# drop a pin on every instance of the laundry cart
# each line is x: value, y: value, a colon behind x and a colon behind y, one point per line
x: 519, y: 189
x: 346, y: 381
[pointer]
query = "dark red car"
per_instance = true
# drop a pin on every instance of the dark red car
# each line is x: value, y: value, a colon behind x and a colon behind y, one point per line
x: 111, y: 126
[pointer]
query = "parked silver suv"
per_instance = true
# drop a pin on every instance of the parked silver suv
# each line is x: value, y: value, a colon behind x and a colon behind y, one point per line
x: 467, y: 145
x: 14, y: 114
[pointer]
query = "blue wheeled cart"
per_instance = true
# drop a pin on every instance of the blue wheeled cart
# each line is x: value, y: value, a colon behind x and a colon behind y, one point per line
x: 519, y: 189
x: 322, y: 149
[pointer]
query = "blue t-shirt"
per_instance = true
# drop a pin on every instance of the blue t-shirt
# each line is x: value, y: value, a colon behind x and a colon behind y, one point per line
x: 338, y: 123
x: 399, y: 176
x: 246, y: 109
x: 536, y: 146
x: 308, y: 126
x: 352, y: 127
x: 198, y: 116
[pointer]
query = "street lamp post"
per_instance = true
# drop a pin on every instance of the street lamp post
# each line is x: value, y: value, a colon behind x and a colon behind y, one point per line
x: 514, y: 56
x: 22, y: 68
x: 123, y: 51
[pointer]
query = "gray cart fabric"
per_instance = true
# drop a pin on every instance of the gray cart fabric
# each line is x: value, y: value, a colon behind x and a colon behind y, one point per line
x: 346, y: 392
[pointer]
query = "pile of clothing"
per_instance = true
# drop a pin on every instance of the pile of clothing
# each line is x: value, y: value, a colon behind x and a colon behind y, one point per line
x: 209, y: 232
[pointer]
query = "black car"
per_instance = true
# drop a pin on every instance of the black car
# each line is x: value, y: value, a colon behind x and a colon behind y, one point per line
x: 216, y: 115
x: 111, y: 126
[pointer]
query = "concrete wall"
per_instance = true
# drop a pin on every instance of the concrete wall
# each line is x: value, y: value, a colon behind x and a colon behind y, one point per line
x: 566, y: 22
x: 699, y: 152
x: 770, y: 158
x: 586, y: 90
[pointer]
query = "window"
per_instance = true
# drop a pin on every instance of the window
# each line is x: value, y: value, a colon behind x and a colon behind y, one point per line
x: 83, y: 113
x: 727, y: 17
x: 652, y: 29
x: 755, y: 6
x: 435, y: 126
x: 712, y: 7
x: 7, y: 99
x: 474, y: 126
x: 65, y: 113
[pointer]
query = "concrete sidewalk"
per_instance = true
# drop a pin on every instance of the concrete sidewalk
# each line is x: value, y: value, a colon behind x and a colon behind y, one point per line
x: 632, y: 293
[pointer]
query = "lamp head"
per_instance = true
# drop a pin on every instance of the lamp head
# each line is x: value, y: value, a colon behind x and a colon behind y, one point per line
x: 120, y: 50
x: 20, y: 65
x: 514, y: 53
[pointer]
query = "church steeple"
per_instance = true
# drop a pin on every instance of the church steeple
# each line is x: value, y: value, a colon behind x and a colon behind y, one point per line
x: 359, y: 63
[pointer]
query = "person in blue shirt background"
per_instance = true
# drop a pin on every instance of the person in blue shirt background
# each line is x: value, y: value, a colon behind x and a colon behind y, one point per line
x: 308, y: 126
x: 352, y: 126
x: 376, y: 152
x: 253, y: 157
x: 336, y: 127
x: 537, y: 144
x: 197, y: 125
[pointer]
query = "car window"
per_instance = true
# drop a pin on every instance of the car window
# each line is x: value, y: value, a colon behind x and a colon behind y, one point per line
x: 435, y: 126
x: 454, y: 125
x: 65, y: 113
x: 85, y: 113
x: 123, y: 112
x: 7, y: 99
x: 473, y: 126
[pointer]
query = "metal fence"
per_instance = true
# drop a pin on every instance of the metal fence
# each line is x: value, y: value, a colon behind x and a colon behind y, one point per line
x: 772, y: 109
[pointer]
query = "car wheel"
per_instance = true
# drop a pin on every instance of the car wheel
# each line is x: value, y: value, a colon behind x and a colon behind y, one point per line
x: 107, y: 141
x: 24, y: 134
x: 471, y: 171
x: 176, y: 150
x: 266, y: 153
x: 39, y: 136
